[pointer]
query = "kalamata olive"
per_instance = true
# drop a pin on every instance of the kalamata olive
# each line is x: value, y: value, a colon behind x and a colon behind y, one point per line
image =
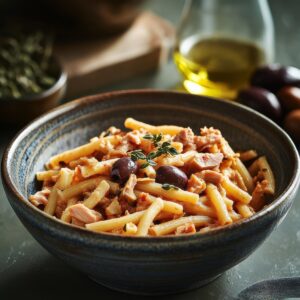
x: 292, y: 124
x: 289, y: 98
x: 122, y: 169
x: 262, y: 101
x: 171, y: 175
x: 274, y: 77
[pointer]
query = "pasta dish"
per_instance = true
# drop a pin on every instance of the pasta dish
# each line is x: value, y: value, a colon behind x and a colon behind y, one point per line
x: 154, y: 181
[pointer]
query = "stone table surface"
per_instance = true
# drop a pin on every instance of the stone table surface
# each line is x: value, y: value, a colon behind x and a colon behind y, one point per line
x: 27, y: 271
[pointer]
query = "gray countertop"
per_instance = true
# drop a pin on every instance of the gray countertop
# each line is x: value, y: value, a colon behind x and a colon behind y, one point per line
x: 30, y: 272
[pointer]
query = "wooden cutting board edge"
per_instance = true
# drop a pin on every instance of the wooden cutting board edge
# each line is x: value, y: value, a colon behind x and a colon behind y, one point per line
x: 162, y: 34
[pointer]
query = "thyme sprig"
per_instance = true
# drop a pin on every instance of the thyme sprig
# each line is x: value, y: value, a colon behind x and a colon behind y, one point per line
x: 156, y: 138
x: 167, y: 186
x: 137, y: 154
x: 162, y: 148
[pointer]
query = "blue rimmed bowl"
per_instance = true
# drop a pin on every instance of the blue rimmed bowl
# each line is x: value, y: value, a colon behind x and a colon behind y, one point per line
x: 148, y: 265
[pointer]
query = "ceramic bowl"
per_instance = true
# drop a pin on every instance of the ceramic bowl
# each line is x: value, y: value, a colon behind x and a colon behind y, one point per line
x: 148, y: 265
x: 88, y: 18
x: 21, y: 111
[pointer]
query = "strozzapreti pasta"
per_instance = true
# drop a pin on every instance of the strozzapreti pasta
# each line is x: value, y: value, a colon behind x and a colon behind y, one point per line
x: 154, y: 181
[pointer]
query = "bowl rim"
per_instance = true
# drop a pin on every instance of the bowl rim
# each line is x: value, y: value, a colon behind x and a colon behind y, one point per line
x: 60, y: 82
x: 73, y: 232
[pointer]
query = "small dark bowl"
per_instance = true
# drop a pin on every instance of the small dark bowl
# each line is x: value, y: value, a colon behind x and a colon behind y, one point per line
x: 148, y: 265
x: 93, y: 18
x: 21, y: 111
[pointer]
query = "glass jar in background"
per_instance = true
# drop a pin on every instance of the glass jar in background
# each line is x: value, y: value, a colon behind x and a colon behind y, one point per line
x: 221, y: 42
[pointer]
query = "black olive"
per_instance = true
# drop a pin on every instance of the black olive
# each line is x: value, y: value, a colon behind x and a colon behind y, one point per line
x: 122, y: 169
x: 171, y: 175
x: 289, y: 97
x: 292, y: 124
x: 274, y: 77
x: 262, y: 101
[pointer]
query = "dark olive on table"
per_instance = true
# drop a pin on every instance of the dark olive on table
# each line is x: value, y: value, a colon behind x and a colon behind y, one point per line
x: 292, y: 124
x: 171, y: 175
x: 122, y: 169
x: 289, y: 98
x: 274, y: 77
x: 262, y: 101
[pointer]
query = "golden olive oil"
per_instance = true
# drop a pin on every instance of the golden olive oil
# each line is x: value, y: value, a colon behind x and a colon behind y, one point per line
x: 217, y: 67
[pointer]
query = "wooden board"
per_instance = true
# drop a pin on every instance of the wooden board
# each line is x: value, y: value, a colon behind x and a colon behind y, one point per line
x: 96, y: 63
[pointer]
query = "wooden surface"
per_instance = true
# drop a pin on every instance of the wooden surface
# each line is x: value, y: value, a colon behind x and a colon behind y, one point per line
x: 92, y: 64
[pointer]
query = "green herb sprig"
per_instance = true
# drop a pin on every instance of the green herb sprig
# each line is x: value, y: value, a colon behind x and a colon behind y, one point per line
x: 156, y: 138
x: 162, y: 148
x: 167, y: 186
x: 137, y: 154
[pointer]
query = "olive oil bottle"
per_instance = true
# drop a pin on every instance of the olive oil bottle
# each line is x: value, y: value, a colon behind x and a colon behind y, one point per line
x: 217, y: 66
x: 219, y: 43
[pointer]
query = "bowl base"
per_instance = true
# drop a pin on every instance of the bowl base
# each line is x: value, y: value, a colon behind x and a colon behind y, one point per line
x: 157, y: 292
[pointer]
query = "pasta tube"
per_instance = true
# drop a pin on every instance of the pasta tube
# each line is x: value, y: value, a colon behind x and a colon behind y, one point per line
x: 169, y: 206
x: 109, y: 225
x: 218, y: 202
x: 235, y: 192
x: 244, y: 210
x: 100, y: 168
x: 171, y: 194
x: 81, y: 151
x: 148, y: 217
x: 64, y: 180
x: 170, y: 226
x: 245, y: 175
x: 97, y: 195
x: 164, y: 129
x: 87, y: 185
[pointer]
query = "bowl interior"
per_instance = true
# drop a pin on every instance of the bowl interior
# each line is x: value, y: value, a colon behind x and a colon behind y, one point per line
x: 75, y: 123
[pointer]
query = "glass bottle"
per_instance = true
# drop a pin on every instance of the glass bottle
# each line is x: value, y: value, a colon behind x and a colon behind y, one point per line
x: 220, y: 43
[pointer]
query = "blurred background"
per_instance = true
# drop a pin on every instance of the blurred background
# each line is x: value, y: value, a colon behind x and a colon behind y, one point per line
x: 56, y: 51
x: 200, y: 46
x: 100, y: 42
